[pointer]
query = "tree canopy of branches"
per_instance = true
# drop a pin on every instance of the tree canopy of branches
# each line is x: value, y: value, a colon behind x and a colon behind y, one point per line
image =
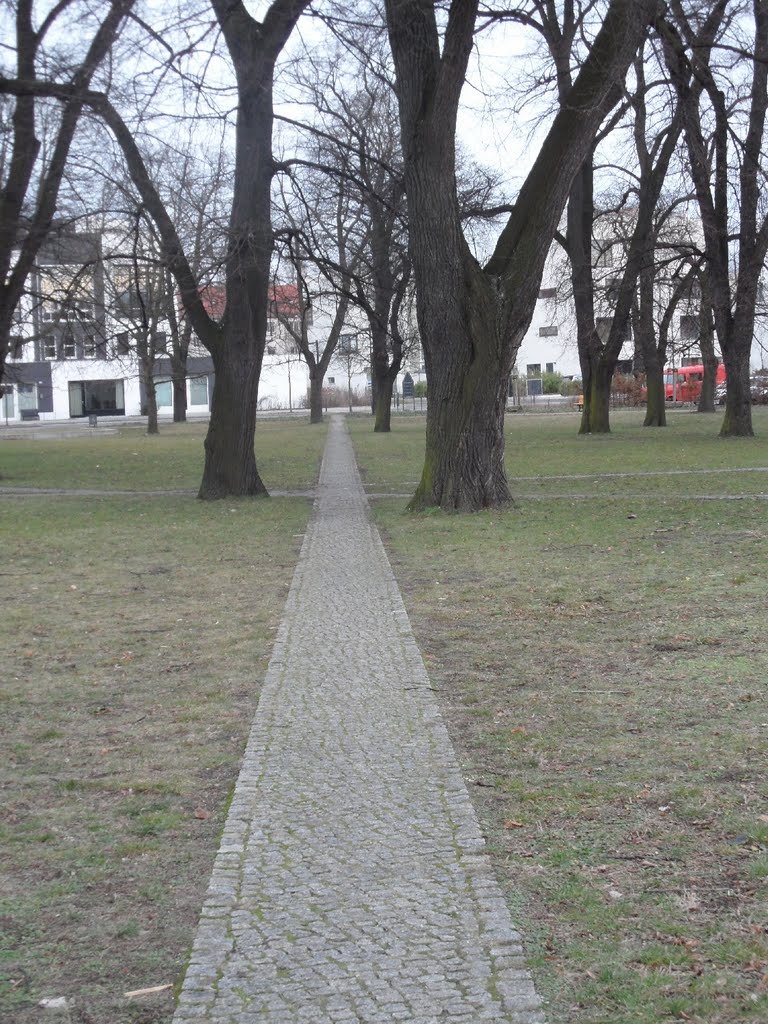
x: 39, y: 133
x: 724, y: 100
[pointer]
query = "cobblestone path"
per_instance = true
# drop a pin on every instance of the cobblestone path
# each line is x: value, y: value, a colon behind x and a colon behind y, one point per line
x: 351, y: 883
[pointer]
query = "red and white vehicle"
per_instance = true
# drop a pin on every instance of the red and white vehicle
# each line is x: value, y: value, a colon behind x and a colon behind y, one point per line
x: 684, y: 383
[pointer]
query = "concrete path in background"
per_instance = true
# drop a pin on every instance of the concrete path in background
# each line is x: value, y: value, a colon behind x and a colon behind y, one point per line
x: 351, y: 884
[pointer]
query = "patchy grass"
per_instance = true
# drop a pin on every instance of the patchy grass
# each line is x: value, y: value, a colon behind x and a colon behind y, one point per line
x: 124, y: 457
x: 601, y: 655
x: 137, y: 631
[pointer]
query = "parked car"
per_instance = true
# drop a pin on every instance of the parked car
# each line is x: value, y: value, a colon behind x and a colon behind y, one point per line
x: 758, y: 387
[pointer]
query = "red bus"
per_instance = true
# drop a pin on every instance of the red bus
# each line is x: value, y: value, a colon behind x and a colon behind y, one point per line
x: 684, y: 383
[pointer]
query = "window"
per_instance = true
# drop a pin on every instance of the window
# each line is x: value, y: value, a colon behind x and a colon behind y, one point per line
x: 49, y: 348
x: 548, y: 293
x: 163, y: 392
x: 160, y: 342
x: 271, y: 349
x: 105, y: 397
x: 547, y: 332
x: 550, y: 367
x: 603, y: 254
x: 17, y: 346
x: 27, y: 396
x: 533, y: 370
x: 198, y: 391
x: 604, y: 324
x: 123, y: 343
x: 131, y: 302
x: 347, y: 343
x: 689, y: 328
x: 89, y: 346
x: 331, y: 380
x: 68, y: 347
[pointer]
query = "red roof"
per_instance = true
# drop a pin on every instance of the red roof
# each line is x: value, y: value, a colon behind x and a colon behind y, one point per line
x: 283, y: 300
x: 214, y: 298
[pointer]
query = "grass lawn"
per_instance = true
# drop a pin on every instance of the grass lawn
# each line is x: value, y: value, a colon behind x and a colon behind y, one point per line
x: 601, y: 653
x: 136, y: 633
x: 124, y: 457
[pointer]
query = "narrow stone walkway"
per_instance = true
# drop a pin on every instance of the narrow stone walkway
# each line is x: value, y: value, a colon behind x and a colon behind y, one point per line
x: 351, y: 883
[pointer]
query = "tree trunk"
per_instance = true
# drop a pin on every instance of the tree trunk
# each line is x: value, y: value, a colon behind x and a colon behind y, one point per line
x: 472, y: 319
x: 179, y: 398
x: 652, y: 353
x: 315, y: 399
x: 707, y: 342
x: 708, y: 385
x: 464, y: 459
x: 383, y: 405
x: 656, y: 409
x: 152, y: 425
x: 230, y: 462
x: 738, y: 399
x: 596, y: 418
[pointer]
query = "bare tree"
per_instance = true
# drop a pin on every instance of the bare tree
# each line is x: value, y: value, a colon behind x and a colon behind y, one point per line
x: 471, y: 318
x: 354, y: 153
x: 724, y: 99
x: 32, y: 176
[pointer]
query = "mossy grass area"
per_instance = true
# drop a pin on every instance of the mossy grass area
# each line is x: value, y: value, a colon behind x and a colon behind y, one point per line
x: 137, y: 630
x: 601, y: 655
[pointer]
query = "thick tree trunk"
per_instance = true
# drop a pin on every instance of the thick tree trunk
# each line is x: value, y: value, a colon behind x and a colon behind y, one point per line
x: 656, y: 409
x: 383, y: 405
x: 472, y: 319
x: 596, y: 417
x: 738, y: 399
x: 464, y: 459
x: 652, y: 354
x: 708, y: 385
x: 230, y: 462
x: 315, y: 399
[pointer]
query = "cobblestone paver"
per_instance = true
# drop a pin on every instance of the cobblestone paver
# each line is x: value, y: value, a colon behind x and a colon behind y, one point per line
x: 351, y: 884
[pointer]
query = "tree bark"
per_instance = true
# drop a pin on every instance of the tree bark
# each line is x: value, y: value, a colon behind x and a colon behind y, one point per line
x: 179, y: 384
x: 737, y: 421
x: 383, y: 406
x: 656, y: 408
x: 230, y: 461
x: 651, y: 354
x: 708, y: 356
x: 152, y: 424
x: 596, y: 415
x: 316, y: 398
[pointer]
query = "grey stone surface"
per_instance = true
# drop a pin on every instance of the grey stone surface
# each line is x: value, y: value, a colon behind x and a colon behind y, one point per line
x: 351, y: 883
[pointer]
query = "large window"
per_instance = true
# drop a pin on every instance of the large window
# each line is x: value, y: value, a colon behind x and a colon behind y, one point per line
x: 689, y: 327
x: 198, y: 391
x: 27, y: 396
x: 104, y: 397
x: 164, y: 392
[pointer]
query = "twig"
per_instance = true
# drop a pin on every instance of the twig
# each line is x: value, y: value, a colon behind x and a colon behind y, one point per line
x: 624, y: 693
